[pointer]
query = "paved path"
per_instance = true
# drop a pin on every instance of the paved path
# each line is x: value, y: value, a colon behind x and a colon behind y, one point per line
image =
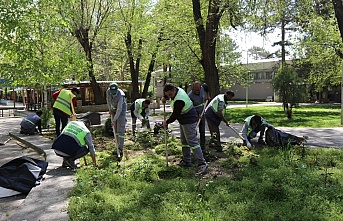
x: 49, y: 200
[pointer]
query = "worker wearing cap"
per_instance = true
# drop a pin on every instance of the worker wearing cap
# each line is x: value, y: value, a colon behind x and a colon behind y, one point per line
x: 140, y: 109
x: 116, y: 103
x: 62, y: 110
x: 75, y: 142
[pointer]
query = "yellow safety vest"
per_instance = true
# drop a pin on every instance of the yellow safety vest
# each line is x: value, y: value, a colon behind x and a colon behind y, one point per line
x: 64, y: 100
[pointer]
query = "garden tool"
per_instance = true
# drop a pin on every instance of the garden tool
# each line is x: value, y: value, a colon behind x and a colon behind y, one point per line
x: 236, y: 132
x: 6, y: 141
x: 115, y: 138
x: 202, y: 114
x: 165, y: 133
x: 73, y: 117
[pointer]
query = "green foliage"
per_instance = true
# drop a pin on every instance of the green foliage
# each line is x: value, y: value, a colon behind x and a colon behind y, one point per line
x: 46, y: 116
x: 316, y: 116
x: 269, y: 189
x: 148, y: 139
x: 288, y: 85
x: 174, y: 147
x: 144, y: 171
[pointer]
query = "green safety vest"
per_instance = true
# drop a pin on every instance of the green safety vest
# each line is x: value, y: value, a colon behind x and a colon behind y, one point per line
x: 248, y: 119
x: 140, y: 102
x: 64, y: 100
x: 215, y: 103
x: 77, y: 130
x: 182, y: 96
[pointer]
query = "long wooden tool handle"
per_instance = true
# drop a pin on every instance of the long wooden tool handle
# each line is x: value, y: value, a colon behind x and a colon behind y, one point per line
x: 73, y: 118
x: 234, y: 130
x: 202, y: 114
x: 165, y: 133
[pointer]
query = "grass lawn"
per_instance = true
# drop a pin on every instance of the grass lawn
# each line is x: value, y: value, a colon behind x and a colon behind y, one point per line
x: 267, y: 183
x: 304, y: 116
x: 263, y: 184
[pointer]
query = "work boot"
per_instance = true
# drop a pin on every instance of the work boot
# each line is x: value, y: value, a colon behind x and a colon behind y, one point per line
x: 116, y: 153
x: 64, y: 164
x: 69, y: 163
x: 202, y: 169
x: 185, y: 164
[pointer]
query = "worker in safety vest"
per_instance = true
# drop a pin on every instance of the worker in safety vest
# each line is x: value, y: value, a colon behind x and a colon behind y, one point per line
x: 62, y: 110
x: 140, y: 109
x: 74, y: 142
x: 199, y: 95
x: 252, y: 125
x: 30, y: 122
x: 185, y: 113
x: 215, y: 113
x: 116, y: 102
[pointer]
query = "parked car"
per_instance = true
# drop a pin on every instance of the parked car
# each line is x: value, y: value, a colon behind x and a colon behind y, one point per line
x: 269, y: 99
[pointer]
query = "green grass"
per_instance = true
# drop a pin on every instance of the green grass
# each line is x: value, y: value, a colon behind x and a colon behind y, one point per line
x: 303, y: 116
x: 279, y: 184
x: 292, y: 183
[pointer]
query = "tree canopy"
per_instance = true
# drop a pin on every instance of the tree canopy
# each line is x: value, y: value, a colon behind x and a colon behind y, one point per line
x: 46, y: 42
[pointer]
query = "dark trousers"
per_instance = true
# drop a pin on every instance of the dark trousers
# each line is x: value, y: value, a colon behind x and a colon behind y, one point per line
x: 134, y: 119
x: 60, y: 117
x: 213, y: 122
x: 69, y: 147
x: 80, y: 153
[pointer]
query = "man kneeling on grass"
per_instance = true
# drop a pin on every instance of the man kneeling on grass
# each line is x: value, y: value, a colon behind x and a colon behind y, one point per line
x: 252, y: 125
x: 74, y: 142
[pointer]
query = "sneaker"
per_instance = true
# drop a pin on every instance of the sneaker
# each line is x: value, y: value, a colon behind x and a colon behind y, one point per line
x: 185, y: 164
x: 202, y: 169
x: 70, y: 163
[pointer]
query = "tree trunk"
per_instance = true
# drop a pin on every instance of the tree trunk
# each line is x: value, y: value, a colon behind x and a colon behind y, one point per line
x: 207, y: 41
x: 151, y: 67
x: 338, y: 7
x: 134, y: 69
x: 283, y: 36
x: 148, y: 76
x: 82, y: 37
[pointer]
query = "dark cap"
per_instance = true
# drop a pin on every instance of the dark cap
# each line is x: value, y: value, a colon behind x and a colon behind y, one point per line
x: 113, y: 88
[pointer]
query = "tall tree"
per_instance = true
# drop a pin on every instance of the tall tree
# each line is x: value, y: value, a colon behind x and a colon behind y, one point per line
x: 338, y: 7
x: 208, y: 30
x: 84, y: 20
x: 141, y: 42
x: 32, y: 45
